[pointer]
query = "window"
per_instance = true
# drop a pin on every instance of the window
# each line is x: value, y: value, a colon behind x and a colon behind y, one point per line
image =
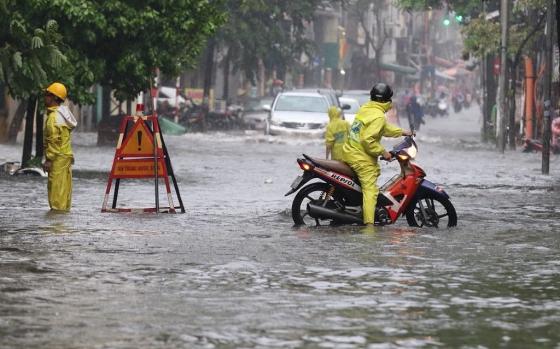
x: 301, y: 103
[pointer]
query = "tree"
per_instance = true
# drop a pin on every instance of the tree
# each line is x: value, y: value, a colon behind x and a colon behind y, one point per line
x: 116, y: 43
x: 481, y: 36
x: 269, y: 31
x: 121, y: 42
x: 375, y: 32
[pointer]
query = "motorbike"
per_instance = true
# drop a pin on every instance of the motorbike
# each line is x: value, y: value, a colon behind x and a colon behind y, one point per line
x: 457, y: 101
x: 337, y: 197
x: 229, y: 119
x: 442, y: 108
x: 535, y: 145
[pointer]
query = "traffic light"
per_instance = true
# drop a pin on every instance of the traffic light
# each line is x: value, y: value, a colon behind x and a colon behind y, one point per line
x: 458, y: 18
x: 446, y: 22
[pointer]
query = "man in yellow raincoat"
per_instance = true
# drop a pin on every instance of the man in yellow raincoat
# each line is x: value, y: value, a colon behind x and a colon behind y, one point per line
x: 336, y: 134
x: 363, y: 146
x: 58, y: 147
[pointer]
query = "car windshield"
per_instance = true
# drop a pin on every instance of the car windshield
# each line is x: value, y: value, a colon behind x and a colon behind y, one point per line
x: 257, y: 105
x: 353, y: 103
x: 301, y: 103
x: 361, y: 98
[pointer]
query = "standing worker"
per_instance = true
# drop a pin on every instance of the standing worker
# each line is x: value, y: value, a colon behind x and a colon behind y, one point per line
x: 363, y: 147
x: 336, y: 134
x: 57, y: 143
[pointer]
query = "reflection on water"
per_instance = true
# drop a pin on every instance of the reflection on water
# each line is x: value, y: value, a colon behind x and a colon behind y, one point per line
x: 233, y: 272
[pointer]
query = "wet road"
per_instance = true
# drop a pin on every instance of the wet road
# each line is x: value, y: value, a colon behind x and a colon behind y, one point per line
x: 233, y: 273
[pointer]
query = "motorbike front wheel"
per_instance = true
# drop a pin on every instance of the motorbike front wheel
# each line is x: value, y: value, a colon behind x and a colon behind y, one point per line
x: 431, y: 211
x: 314, y: 193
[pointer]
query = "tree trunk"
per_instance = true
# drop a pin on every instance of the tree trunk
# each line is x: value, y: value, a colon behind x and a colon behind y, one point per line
x: 28, y: 137
x: 39, y: 151
x: 511, y: 104
x: 490, y: 98
x: 225, y: 93
x: 209, y: 61
x: 558, y: 27
x: 16, y: 123
x: 106, y: 103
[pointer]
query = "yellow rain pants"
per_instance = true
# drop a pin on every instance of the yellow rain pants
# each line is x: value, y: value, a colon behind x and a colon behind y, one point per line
x: 58, y: 150
x: 363, y: 148
x: 336, y: 134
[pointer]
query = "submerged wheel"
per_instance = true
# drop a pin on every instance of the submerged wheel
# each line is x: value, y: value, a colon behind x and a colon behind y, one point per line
x: 431, y: 211
x: 315, y: 193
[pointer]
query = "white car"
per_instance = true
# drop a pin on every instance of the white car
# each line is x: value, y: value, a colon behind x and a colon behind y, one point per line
x: 297, y: 112
x: 167, y: 95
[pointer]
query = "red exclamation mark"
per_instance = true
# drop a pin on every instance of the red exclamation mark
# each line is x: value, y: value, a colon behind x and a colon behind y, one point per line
x: 139, y: 137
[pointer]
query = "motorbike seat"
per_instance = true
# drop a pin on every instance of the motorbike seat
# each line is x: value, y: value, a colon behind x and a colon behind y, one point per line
x: 336, y: 166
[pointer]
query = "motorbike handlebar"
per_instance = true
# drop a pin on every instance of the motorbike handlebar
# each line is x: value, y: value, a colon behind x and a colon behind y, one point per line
x: 393, y: 155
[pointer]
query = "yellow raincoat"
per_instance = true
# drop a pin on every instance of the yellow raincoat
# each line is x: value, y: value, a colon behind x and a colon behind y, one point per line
x: 363, y: 148
x: 336, y: 134
x: 58, y: 150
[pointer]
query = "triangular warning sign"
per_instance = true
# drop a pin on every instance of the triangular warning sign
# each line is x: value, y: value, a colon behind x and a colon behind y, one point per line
x: 139, y: 141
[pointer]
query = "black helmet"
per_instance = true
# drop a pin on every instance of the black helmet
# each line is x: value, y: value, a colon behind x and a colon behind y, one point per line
x: 381, y: 92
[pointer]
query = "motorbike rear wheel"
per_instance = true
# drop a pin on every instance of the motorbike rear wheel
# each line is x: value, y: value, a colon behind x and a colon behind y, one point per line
x: 314, y: 193
x: 431, y: 211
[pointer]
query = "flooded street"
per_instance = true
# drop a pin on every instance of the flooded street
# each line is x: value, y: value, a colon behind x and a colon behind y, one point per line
x: 233, y: 272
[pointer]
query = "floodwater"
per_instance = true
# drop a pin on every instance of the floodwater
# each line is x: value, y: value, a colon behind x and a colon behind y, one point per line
x: 232, y: 272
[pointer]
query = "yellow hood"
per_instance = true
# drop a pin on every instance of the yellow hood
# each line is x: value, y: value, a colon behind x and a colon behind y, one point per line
x: 383, y: 106
x: 334, y: 113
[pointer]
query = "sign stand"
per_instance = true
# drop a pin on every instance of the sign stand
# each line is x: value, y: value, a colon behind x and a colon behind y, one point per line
x: 141, y: 153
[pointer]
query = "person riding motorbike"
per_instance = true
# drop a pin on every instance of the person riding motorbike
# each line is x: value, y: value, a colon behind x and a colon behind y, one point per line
x: 336, y: 134
x: 363, y: 147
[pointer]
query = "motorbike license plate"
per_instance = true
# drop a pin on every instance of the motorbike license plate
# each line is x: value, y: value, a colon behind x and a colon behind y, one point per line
x: 296, y: 182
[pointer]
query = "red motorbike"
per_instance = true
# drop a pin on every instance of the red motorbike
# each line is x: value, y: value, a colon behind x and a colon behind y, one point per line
x: 535, y: 145
x: 337, y: 198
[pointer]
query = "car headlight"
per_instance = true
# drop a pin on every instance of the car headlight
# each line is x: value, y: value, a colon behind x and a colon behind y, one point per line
x: 275, y: 122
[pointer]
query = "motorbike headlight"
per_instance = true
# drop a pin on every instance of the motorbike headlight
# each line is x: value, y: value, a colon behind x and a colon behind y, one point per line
x: 412, y: 151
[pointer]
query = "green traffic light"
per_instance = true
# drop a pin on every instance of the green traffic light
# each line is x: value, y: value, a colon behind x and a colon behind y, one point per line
x: 459, y: 18
x: 446, y: 22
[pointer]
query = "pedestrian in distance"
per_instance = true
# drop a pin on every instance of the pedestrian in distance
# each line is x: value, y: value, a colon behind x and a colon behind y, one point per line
x: 415, y: 114
x: 363, y: 147
x: 336, y: 134
x: 57, y: 143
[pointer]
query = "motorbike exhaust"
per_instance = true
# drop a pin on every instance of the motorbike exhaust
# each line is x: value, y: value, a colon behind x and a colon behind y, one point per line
x: 317, y: 211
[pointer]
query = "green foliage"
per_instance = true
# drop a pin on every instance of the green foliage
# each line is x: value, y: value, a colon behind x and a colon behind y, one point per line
x: 481, y: 36
x: 272, y: 30
x: 117, y: 43
x: 31, y: 53
x: 419, y: 5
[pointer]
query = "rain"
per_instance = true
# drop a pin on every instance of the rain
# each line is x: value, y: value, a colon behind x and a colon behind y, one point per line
x: 234, y: 270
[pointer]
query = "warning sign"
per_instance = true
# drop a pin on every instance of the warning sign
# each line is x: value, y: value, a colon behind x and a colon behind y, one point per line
x: 138, y: 142
x: 137, y: 169
x: 141, y: 153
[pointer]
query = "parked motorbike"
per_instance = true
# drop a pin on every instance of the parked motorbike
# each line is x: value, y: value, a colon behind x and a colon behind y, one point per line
x: 230, y: 119
x: 535, y: 145
x: 337, y: 198
x: 193, y: 118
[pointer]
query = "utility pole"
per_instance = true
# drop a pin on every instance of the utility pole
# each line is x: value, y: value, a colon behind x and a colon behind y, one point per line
x: 547, y: 86
x: 483, y: 100
x: 504, y: 17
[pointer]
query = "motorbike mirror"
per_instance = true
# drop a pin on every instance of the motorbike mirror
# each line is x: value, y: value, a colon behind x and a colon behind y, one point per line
x: 346, y: 106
